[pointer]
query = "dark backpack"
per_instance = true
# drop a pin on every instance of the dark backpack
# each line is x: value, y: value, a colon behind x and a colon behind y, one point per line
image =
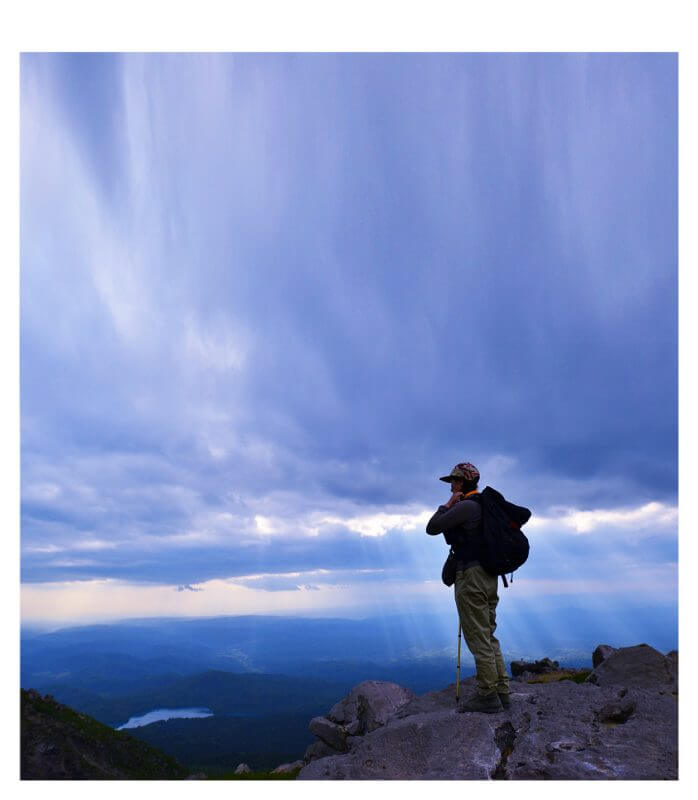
x: 503, y: 547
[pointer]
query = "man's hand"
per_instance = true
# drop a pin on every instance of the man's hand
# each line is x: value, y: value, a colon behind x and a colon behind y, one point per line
x: 454, y: 498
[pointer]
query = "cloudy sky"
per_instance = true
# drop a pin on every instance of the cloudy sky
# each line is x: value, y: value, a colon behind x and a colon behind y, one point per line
x: 266, y: 300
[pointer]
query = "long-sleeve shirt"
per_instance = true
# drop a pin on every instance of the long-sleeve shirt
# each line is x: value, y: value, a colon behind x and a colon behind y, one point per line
x: 460, y: 525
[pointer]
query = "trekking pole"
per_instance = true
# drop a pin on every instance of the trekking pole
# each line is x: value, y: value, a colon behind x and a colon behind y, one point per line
x: 458, y: 665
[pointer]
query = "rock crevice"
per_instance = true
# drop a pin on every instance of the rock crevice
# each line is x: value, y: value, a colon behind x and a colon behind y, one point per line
x: 505, y: 739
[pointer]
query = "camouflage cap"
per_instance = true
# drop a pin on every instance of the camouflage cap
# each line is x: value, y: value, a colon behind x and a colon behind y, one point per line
x: 464, y: 472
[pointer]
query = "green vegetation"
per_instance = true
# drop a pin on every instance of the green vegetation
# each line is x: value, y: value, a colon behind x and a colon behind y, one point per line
x: 581, y: 676
x: 261, y: 720
x: 578, y: 676
x: 58, y: 742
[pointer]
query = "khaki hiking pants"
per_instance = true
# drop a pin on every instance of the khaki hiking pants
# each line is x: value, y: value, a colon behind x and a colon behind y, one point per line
x: 476, y: 600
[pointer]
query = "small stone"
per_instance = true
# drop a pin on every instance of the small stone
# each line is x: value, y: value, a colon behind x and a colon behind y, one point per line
x: 242, y: 769
x: 284, y: 769
x: 566, y: 746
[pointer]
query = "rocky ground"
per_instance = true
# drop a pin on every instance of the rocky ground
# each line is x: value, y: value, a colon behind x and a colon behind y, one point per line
x: 620, y: 723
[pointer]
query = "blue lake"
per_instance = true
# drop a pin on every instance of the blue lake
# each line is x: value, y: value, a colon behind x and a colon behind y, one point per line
x: 161, y: 714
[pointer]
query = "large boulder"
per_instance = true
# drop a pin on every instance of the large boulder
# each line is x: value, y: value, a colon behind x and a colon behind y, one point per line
x: 329, y: 732
x: 601, y: 653
x: 242, y: 769
x: 369, y: 706
x: 431, y: 746
x: 640, y: 666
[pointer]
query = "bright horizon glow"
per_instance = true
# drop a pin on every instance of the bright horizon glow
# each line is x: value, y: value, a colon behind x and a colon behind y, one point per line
x: 344, y: 591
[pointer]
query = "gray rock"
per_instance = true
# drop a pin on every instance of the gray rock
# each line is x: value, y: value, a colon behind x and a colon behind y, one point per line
x: 371, y: 704
x: 435, y: 701
x: 540, y: 667
x: 561, y: 737
x: 318, y: 749
x: 434, y: 746
x: 640, y: 666
x: 242, y: 769
x: 553, y: 731
x: 284, y: 769
x: 602, y: 652
x: 329, y: 732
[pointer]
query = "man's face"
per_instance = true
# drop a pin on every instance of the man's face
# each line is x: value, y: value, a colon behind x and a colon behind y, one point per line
x: 456, y: 485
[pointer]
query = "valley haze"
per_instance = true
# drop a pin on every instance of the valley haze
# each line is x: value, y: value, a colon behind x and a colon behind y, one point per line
x: 302, y: 646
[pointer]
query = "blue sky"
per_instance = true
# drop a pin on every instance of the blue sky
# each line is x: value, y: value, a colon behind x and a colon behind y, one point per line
x: 266, y: 300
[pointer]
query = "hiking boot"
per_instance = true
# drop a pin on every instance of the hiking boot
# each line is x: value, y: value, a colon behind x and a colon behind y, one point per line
x: 504, y: 699
x: 486, y: 703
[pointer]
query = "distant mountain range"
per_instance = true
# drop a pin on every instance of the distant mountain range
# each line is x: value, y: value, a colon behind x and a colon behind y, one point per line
x: 131, y: 652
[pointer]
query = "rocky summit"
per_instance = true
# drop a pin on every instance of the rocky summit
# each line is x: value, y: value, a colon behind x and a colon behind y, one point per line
x: 619, y: 723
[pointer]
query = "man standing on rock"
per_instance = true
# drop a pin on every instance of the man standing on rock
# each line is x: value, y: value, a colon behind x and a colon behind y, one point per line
x: 460, y: 520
